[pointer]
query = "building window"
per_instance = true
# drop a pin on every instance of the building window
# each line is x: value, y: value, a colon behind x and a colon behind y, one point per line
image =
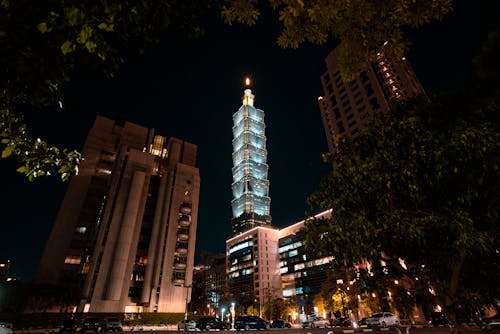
x: 71, y: 259
x: 81, y: 229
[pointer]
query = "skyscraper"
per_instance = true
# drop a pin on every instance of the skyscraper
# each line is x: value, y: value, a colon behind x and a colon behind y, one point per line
x: 250, y: 186
x: 345, y: 106
x: 252, y: 253
x: 124, y: 237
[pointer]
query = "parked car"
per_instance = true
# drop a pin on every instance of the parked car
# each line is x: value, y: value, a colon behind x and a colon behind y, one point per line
x: 247, y: 322
x: 69, y: 326
x: 207, y: 323
x: 383, y: 319
x: 111, y: 325
x: 316, y: 322
x: 362, y: 322
x: 90, y: 324
x: 341, y: 322
x: 492, y: 322
x: 6, y: 328
x: 189, y: 325
x: 438, y: 318
x: 280, y: 323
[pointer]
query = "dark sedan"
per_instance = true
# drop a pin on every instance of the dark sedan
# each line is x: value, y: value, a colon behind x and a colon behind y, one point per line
x: 208, y: 323
x: 280, y: 323
x: 247, y: 322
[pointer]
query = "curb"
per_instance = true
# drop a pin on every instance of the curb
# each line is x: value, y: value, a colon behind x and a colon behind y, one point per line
x: 364, y: 330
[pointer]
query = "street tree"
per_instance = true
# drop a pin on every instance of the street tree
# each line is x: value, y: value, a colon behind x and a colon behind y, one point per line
x: 419, y: 189
x: 361, y: 26
x: 42, y: 43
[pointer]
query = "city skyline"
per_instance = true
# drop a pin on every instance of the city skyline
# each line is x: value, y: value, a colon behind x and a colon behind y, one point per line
x: 200, y: 84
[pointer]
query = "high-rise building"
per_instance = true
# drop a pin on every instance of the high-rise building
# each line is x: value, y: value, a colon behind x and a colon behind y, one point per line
x: 345, y: 106
x: 250, y: 204
x: 252, y: 257
x: 253, y: 265
x: 209, y: 285
x: 303, y: 271
x: 124, y: 237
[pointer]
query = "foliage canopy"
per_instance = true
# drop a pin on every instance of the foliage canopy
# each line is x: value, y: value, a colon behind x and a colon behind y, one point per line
x: 420, y: 184
x: 361, y: 26
x: 43, y: 42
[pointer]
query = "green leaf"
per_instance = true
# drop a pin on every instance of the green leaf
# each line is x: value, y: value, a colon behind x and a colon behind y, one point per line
x: 5, y: 141
x: 23, y: 169
x: 90, y: 46
x: 85, y: 34
x: 106, y: 27
x: 42, y: 27
x: 7, y: 152
x: 67, y: 47
x: 73, y: 15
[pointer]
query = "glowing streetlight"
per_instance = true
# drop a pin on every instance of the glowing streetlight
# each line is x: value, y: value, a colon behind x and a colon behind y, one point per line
x: 232, y: 314
x: 186, y: 286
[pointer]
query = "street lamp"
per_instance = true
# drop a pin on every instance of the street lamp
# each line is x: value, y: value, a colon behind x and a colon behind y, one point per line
x: 223, y: 311
x: 187, y: 286
x: 232, y: 314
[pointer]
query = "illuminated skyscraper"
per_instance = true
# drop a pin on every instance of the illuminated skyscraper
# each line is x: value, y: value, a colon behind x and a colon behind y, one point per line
x: 250, y: 186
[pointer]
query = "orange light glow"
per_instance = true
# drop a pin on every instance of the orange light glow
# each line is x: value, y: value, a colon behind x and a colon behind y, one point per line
x: 247, y: 82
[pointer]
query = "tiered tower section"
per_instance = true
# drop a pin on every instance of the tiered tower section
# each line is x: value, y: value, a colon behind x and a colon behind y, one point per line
x: 251, y: 201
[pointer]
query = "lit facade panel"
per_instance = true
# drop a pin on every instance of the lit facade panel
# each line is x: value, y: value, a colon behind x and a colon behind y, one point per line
x: 254, y: 168
x: 250, y: 185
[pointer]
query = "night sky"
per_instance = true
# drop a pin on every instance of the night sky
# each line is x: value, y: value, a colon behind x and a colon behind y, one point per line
x: 190, y: 89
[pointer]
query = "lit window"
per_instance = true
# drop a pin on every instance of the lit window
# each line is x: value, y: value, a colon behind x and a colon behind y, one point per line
x: 81, y: 229
x: 298, y: 266
x: 72, y: 259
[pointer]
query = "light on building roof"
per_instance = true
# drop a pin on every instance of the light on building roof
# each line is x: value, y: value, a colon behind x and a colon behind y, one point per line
x: 320, y: 98
x: 247, y: 82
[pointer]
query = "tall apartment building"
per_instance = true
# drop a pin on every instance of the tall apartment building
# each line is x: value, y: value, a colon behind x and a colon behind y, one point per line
x: 124, y: 237
x: 250, y: 204
x: 346, y: 106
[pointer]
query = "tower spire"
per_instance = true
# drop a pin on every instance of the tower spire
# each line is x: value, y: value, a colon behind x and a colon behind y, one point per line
x: 248, y: 97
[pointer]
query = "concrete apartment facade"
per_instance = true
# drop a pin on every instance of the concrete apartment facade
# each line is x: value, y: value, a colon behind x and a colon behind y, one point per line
x: 124, y: 237
x: 346, y: 106
x: 253, y: 264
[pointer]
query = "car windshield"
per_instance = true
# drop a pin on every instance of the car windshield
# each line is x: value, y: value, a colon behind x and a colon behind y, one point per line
x: 377, y: 315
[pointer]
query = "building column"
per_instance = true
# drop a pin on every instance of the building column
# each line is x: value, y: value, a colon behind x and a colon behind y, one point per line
x: 153, y: 246
x: 124, y: 243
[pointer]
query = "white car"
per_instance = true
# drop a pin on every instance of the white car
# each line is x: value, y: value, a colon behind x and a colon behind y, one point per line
x: 189, y: 325
x: 5, y: 328
x: 316, y: 322
x: 382, y: 319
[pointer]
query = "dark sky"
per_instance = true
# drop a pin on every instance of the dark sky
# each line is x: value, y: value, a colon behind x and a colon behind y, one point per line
x: 190, y: 88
